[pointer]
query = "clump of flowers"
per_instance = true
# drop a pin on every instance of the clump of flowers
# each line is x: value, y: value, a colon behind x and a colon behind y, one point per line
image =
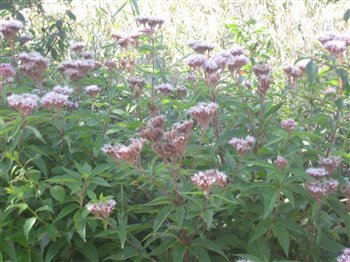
x: 236, y: 60
x: 181, y: 91
x: 102, y: 208
x: 78, y: 69
x: 165, y: 89
x: 10, y: 28
x: 7, y: 74
x: 345, y: 256
x: 201, y: 47
x: 130, y: 154
x: 33, y: 65
x: 242, y: 145
x: 203, y: 113
x: 204, y: 180
x: 293, y: 73
x: 125, y: 40
x: 92, y: 90
x: 136, y: 84
x: 263, y: 74
x: 54, y: 100
x: 289, y: 125
x: 317, y: 172
x: 24, y: 104
x: 318, y: 189
x: 110, y: 65
x: 63, y: 90
x: 281, y: 162
x: 77, y: 47
x: 335, y: 44
x: 150, y: 23
x: 196, y: 61
x: 154, y: 130
x: 25, y: 38
x: 330, y: 163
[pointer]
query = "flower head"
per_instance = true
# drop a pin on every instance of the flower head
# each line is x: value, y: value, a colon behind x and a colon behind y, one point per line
x: 289, y: 125
x: 318, y: 188
x: 33, y: 65
x: 92, y: 90
x: 165, y: 89
x: 54, y: 100
x: 242, y: 145
x: 7, y: 71
x: 203, y: 113
x: 330, y: 163
x: 102, y: 208
x: 345, y: 256
x: 317, y: 172
x: 77, y: 47
x: 25, y: 103
x: 206, y: 179
x: 281, y: 162
x: 196, y: 61
x: 63, y: 90
x: 10, y: 28
x: 201, y: 47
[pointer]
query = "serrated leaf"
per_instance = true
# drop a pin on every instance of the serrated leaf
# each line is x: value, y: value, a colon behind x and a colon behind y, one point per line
x: 58, y: 193
x: 80, y: 224
x: 28, y: 226
x: 180, y: 215
x: 282, y: 235
x: 53, y: 249
x: 208, y: 244
x: 270, y: 202
x: 208, y: 217
x: 65, y: 211
x: 163, y: 214
x: 200, y: 253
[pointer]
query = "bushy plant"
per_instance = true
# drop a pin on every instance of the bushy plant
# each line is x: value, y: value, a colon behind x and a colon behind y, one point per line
x: 131, y: 159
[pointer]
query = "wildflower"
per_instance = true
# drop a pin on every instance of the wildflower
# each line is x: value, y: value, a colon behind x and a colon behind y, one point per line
x: 63, y: 90
x: 330, y: 91
x: 326, y: 37
x: 318, y: 188
x: 154, y: 130
x: 260, y: 70
x: 25, y: 103
x: 210, y: 67
x: 7, y: 71
x: 130, y: 154
x: 222, y: 59
x: 10, y: 28
x: 196, y: 61
x: 345, y: 256
x: 206, y: 179
x: 110, y: 65
x: 281, y: 162
x: 77, y: 69
x: 165, y: 89
x: 317, y: 172
x: 54, y: 100
x: 102, y: 208
x: 237, y: 62
x: 181, y: 91
x: 244, y: 260
x: 150, y: 23
x: 77, y: 47
x: 289, y: 125
x: 335, y: 47
x: 25, y: 38
x: 237, y: 51
x: 87, y: 55
x: 330, y: 163
x: 242, y: 145
x: 93, y: 90
x: 203, y: 113
x: 33, y: 65
x: 201, y: 47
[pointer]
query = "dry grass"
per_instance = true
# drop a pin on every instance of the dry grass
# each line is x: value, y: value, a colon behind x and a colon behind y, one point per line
x: 293, y: 25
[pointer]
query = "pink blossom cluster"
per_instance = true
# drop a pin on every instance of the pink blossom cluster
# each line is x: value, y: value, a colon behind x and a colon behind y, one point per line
x: 181, y: 91
x: 154, y: 129
x: 289, y: 125
x: 345, y: 256
x: 335, y: 44
x: 33, y: 65
x: 281, y: 162
x: 130, y: 154
x: 63, y: 90
x: 196, y: 61
x: 242, y: 145
x: 330, y: 163
x: 87, y: 55
x: 77, y: 47
x: 293, y: 73
x: 25, y: 38
x: 165, y: 89
x: 203, y: 113
x: 77, y: 69
x: 244, y: 260
x: 150, y: 23
x: 7, y: 71
x: 263, y: 74
x: 102, y: 208
x: 237, y: 59
x: 110, y: 64
x: 125, y: 40
x: 10, y: 28
x: 204, y: 180
x: 321, y: 188
x: 136, y: 84
x: 54, y: 100
x: 92, y: 90
x: 201, y: 47
x: 317, y: 172
x: 330, y: 91
x: 24, y: 103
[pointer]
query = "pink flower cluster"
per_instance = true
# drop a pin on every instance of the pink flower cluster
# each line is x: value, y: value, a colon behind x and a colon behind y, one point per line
x: 204, y: 180
x: 7, y: 73
x: 33, y: 65
x: 318, y: 188
x: 345, y: 256
x: 25, y: 103
x: 125, y: 40
x: 281, y: 162
x: 136, y: 84
x: 54, y: 100
x: 130, y: 154
x: 150, y: 23
x: 102, y: 208
x: 330, y: 163
x: 203, y: 113
x: 63, y: 90
x: 154, y: 129
x: 196, y: 61
x: 335, y: 44
x: 263, y: 74
x: 236, y: 60
x: 317, y: 172
x: 165, y: 89
x: 77, y: 69
x: 77, y: 47
x: 242, y: 145
x: 293, y: 73
x: 289, y: 125
x: 201, y: 47
x: 92, y: 90
x: 110, y: 64
x: 244, y: 260
x: 10, y: 28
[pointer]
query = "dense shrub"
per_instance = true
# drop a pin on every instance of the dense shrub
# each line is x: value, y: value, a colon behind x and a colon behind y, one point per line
x: 217, y: 158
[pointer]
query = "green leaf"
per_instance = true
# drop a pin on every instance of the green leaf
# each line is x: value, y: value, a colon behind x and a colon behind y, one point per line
x: 180, y: 215
x: 312, y: 71
x: 58, y: 193
x: 122, y: 231
x: 178, y: 252
x: 208, y: 217
x: 28, y: 226
x: 163, y: 214
x: 65, y: 211
x: 346, y: 15
x: 89, y: 251
x: 71, y: 15
x: 282, y: 235
x: 269, y: 202
x: 53, y: 249
x: 80, y: 224
x: 164, y: 245
x: 345, y: 79
x: 200, y: 253
x: 260, y: 230
x: 208, y: 244
x: 100, y: 181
